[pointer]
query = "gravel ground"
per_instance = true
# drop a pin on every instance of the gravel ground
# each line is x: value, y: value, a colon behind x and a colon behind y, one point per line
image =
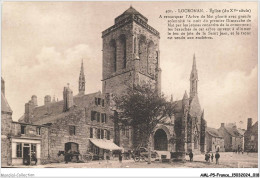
x: 227, y: 160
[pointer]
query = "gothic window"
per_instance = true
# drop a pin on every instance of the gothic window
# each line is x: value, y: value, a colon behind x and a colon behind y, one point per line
x: 150, y: 57
x: 143, y: 53
x: 114, y: 54
x: 122, y: 50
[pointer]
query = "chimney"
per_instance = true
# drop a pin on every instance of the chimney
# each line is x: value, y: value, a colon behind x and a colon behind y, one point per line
x: 47, y: 99
x: 2, y: 86
x: 34, y: 100
x: 67, y: 98
x: 222, y: 125
x: 29, y: 107
x: 249, y: 123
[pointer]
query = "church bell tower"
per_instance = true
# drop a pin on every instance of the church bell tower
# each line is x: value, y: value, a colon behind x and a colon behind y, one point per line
x: 130, y: 53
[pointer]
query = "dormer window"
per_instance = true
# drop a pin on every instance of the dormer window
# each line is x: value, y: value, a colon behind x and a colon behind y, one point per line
x: 23, y: 129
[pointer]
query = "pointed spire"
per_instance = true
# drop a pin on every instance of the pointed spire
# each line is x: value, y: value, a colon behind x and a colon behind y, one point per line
x: 185, y: 96
x: 82, y: 69
x: 82, y: 80
x: 194, y: 62
x: 171, y: 98
x: 194, y: 79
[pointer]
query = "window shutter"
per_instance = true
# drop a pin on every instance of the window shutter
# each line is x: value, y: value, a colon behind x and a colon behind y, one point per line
x: 93, y: 115
x: 98, y: 117
x: 98, y: 133
x: 102, y: 134
x: 96, y: 101
x: 108, y: 135
x: 91, y: 132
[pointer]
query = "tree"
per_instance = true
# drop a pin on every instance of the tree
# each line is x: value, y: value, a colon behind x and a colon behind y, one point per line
x: 143, y: 109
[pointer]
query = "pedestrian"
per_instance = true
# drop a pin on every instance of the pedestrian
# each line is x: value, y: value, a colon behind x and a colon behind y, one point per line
x: 207, y: 157
x: 66, y: 154
x: 212, y: 157
x: 120, y: 157
x: 105, y: 155
x: 191, y: 156
x: 217, y: 156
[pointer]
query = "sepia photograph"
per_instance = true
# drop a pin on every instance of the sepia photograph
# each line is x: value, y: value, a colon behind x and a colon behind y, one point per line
x: 136, y: 84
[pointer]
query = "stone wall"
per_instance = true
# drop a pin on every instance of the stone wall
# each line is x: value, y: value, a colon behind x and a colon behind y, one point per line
x: 6, y: 120
x: 80, y: 117
x: 251, y: 138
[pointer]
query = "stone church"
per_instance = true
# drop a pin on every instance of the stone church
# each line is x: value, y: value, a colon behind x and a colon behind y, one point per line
x: 131, y: 55
x: 82, y: 122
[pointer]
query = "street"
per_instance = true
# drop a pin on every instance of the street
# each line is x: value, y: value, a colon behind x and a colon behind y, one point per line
x: 227, y: 160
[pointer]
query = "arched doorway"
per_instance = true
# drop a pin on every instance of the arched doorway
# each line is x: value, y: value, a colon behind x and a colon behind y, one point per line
x: 160, y: 140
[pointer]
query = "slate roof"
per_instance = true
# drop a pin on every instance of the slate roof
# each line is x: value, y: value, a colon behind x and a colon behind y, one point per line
x: 213, y: 132
x: 4, y: 105
x: 241, y: 131
x: 131, y: 11
x: 178, y: 106
x: 233, y: 131
x: 53, y: 111
x: 195, y: 109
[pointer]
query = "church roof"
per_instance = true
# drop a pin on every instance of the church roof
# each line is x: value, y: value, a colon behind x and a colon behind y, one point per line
x: 195, y: 109
x: 4, y: 105
x: 178, y: 106
x: 131, y: 11
x: 213, y: 132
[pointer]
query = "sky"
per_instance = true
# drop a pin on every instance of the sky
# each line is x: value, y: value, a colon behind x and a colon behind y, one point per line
x: 43, y: 44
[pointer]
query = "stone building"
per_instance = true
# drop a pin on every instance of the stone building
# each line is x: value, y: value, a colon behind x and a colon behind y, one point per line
x: 79, y: 123
x: 6, y: 124
x: 29, y: 139
x: 251, y: 136
x: 190, y: 125
x: 19, y: 141
x: 233, y: 140
x: 131, y: 56
x: 214, y: 141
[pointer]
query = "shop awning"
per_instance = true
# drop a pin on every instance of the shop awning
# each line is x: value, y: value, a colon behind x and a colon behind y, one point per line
x: 105, y: 144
